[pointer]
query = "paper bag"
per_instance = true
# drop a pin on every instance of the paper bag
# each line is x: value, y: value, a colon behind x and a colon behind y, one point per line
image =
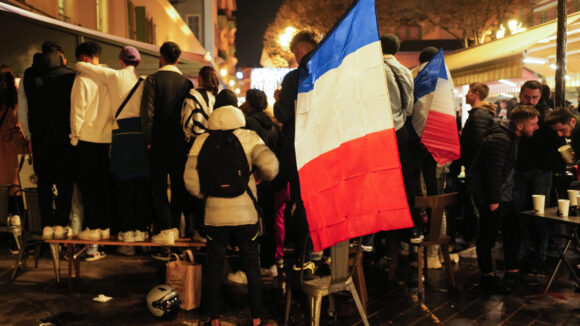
x: 185, y: 277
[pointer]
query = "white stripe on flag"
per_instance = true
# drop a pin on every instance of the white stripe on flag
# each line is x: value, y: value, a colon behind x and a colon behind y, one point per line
x: 443, y: 98
x: 330, y: 114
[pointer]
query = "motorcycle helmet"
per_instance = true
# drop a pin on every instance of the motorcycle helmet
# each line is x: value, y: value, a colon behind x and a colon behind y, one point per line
x: 163, y: 301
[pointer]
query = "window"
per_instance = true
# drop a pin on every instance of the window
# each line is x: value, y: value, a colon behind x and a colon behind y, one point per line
x: 194, y: 23
x: 576, y: 5
x: 62, y: 10
x: 99, y: 15
x: 543, y: 16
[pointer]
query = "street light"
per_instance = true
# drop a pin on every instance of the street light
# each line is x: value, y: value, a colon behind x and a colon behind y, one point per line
x: 286, y: 37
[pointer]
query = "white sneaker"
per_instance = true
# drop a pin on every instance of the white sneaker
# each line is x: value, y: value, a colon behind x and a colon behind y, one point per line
x: 59, y: 232
x: 197, y: 237
x: 14, y: 225
x: 105, y: 233
x: 269, y: 272
x: 90, y: 235
x: 238, y: 277
x: 141, y: 236
x: 470, y: 252
x: 164, y: 238
x: 128, y: 236
x: 366, y: 248
x: 175, y: 233
x: 433, y: 262
x: 47, y: 233
x: 96, y: 256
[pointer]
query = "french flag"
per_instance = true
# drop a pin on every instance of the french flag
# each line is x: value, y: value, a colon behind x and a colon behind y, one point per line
x: 434, y: 111
x: 346, y: 149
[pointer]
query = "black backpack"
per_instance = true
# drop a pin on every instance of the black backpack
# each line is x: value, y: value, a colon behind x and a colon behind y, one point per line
x: 222, y: 165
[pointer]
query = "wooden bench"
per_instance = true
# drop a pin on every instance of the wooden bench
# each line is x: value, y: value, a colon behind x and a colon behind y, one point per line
x: 74, y: 256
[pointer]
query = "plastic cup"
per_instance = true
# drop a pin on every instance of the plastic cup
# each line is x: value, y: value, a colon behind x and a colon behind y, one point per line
x: 564, y: 206
x: 539, y: 201
x: 573, y: 196
x: 567, y: 153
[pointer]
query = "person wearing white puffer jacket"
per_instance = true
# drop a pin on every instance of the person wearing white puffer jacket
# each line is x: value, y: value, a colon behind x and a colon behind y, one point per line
x: 235, y: 217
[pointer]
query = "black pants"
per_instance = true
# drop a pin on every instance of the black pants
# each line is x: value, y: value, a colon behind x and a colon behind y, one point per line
x: 266, y: 195
x: 505, y: 218
x: 246, y: 237
x: 168, y: 212
x: 93, y: 181
x: 299, y: 223
x: 133, y: 201
x: 54, y: 166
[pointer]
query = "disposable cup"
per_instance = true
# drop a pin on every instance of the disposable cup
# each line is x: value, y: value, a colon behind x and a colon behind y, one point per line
x: 573, y: 196
x: 539, y: 201
x: 567, y: 153
x: 564, y: 206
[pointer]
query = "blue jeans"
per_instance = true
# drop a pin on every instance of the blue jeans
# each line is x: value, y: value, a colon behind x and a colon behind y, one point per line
x: 534, y: 232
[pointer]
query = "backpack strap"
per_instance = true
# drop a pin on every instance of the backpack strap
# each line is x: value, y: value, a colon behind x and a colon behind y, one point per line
x: 404, y: 99
x: 128, y: 97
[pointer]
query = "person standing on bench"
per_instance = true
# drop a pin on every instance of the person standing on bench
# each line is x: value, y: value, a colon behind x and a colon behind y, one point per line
x: 163, y: 95
x: 129, y: 158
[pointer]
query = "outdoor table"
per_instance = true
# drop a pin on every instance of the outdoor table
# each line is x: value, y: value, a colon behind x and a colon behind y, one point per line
x: 551, y: 214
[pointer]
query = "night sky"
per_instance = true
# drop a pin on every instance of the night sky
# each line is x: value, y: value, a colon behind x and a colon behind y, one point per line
x: 253, y: 17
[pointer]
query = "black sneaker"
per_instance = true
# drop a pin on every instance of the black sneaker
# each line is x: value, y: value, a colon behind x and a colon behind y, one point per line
x: 492, y: 284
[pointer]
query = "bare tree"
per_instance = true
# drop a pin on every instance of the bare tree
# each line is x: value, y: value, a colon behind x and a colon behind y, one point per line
x: 472, y: 21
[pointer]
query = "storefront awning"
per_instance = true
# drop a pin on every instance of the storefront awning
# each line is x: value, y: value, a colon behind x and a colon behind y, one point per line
x: 24, y: 32
x: 503, y: 58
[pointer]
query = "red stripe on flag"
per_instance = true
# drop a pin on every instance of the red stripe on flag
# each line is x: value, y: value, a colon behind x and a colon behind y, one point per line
x: 441, y: 137
x: 355, y: 189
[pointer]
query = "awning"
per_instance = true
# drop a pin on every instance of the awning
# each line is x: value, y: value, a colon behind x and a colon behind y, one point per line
x: 24, y: 32
x: 503, y: 58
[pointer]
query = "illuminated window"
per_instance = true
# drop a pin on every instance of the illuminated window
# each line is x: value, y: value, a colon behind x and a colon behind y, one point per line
x: 99, y: 15
x: 543, y: 16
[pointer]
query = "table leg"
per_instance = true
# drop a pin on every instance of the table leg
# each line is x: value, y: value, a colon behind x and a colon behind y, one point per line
x: 557, y: 268
x: 55, y: 251
x: 70, y: 254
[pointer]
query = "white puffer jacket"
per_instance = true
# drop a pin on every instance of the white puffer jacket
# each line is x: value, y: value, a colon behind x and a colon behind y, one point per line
x: 238, y: 210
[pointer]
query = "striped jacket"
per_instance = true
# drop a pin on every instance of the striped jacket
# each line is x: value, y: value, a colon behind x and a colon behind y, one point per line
x: 197, y: 107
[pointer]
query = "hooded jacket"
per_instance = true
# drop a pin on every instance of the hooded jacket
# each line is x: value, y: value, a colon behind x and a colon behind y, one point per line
x: 481, y: 118
x: 238, y: 210
x: 48, y: 84
x: 261, y: 123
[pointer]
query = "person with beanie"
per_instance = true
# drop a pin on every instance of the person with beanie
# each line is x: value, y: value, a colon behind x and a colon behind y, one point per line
x: 133, y: 185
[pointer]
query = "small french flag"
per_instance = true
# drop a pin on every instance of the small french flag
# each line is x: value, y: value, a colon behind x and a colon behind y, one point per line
x: 346, y: 149
x: 434, y: 111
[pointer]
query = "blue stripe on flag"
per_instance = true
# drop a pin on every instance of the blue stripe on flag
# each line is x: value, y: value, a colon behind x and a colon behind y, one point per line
x: 426, y: 79
x: 357, y: 28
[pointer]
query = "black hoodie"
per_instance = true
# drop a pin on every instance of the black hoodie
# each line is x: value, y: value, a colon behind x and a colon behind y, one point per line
x: 261, y: 123
x: 48, y: 84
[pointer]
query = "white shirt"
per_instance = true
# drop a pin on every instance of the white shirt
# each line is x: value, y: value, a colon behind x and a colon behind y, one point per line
x: 119, y: 83
x: 393, y: 68
x: 90, y: 112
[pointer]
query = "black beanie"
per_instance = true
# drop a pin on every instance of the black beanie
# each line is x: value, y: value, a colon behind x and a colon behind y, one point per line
x: 427, y: 53
x: 257, y: 99
x: 224, y: 98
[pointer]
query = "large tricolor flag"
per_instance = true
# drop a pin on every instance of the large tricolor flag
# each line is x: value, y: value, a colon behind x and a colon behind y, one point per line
x: 434, y: 111
x: 346, y: 149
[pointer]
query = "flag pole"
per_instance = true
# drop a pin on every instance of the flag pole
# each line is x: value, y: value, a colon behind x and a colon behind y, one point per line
x: 560, y: 94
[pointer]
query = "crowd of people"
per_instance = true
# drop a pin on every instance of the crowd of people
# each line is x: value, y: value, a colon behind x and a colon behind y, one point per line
x: 124, y: 139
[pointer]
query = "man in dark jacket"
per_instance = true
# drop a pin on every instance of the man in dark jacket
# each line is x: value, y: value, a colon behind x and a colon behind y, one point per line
x: 537, y: 159
x: 479, y: 121
x: 563, y: 122
x: 163, y: 95
x: 301, y: 46
x: 491, y: 181
x: 48, y: 85
x: 258, y: 121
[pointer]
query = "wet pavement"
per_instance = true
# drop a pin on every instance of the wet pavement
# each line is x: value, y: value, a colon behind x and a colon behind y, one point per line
x: 35, y: 296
